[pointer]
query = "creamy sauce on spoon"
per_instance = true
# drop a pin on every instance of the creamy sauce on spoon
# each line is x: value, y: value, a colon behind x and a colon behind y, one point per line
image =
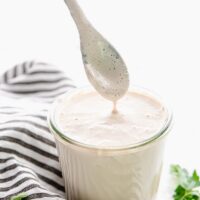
x: 104, y: 67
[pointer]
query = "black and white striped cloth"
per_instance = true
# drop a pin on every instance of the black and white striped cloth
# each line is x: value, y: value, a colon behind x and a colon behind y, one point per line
x: 28, y: 156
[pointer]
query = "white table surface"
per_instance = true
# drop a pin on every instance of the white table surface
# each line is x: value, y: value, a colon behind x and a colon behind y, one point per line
x: 159, y: 40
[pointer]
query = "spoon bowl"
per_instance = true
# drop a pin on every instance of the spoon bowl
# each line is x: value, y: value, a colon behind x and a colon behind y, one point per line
x: 104, y: 66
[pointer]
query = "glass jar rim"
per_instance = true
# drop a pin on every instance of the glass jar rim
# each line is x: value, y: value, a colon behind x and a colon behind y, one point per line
x: 158, y: 135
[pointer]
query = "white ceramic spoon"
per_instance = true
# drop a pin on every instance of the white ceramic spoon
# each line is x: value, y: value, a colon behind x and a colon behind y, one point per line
x: 104, y: 66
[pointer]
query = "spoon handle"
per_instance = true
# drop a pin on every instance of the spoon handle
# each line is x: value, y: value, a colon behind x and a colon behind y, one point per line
x: 77, y: 14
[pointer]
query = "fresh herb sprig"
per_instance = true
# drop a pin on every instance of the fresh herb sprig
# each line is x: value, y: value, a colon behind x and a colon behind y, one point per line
x: 187, y: 186
x: 21, y: 196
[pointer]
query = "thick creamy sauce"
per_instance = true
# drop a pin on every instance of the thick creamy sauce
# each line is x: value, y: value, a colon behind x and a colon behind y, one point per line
x: 86, y: 117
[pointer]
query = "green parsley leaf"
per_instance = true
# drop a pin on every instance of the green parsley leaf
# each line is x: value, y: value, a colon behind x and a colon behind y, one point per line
x: 186, y: 185
x: 21, y: 196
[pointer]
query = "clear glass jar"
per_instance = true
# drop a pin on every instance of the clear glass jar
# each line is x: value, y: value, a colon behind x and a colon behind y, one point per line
x: 126, y: 173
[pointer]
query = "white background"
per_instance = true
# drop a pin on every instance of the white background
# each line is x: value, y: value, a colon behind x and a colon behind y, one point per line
x: 159, y: 40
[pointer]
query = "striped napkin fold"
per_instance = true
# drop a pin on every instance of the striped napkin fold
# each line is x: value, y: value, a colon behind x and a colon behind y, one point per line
x: 28, y: 156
